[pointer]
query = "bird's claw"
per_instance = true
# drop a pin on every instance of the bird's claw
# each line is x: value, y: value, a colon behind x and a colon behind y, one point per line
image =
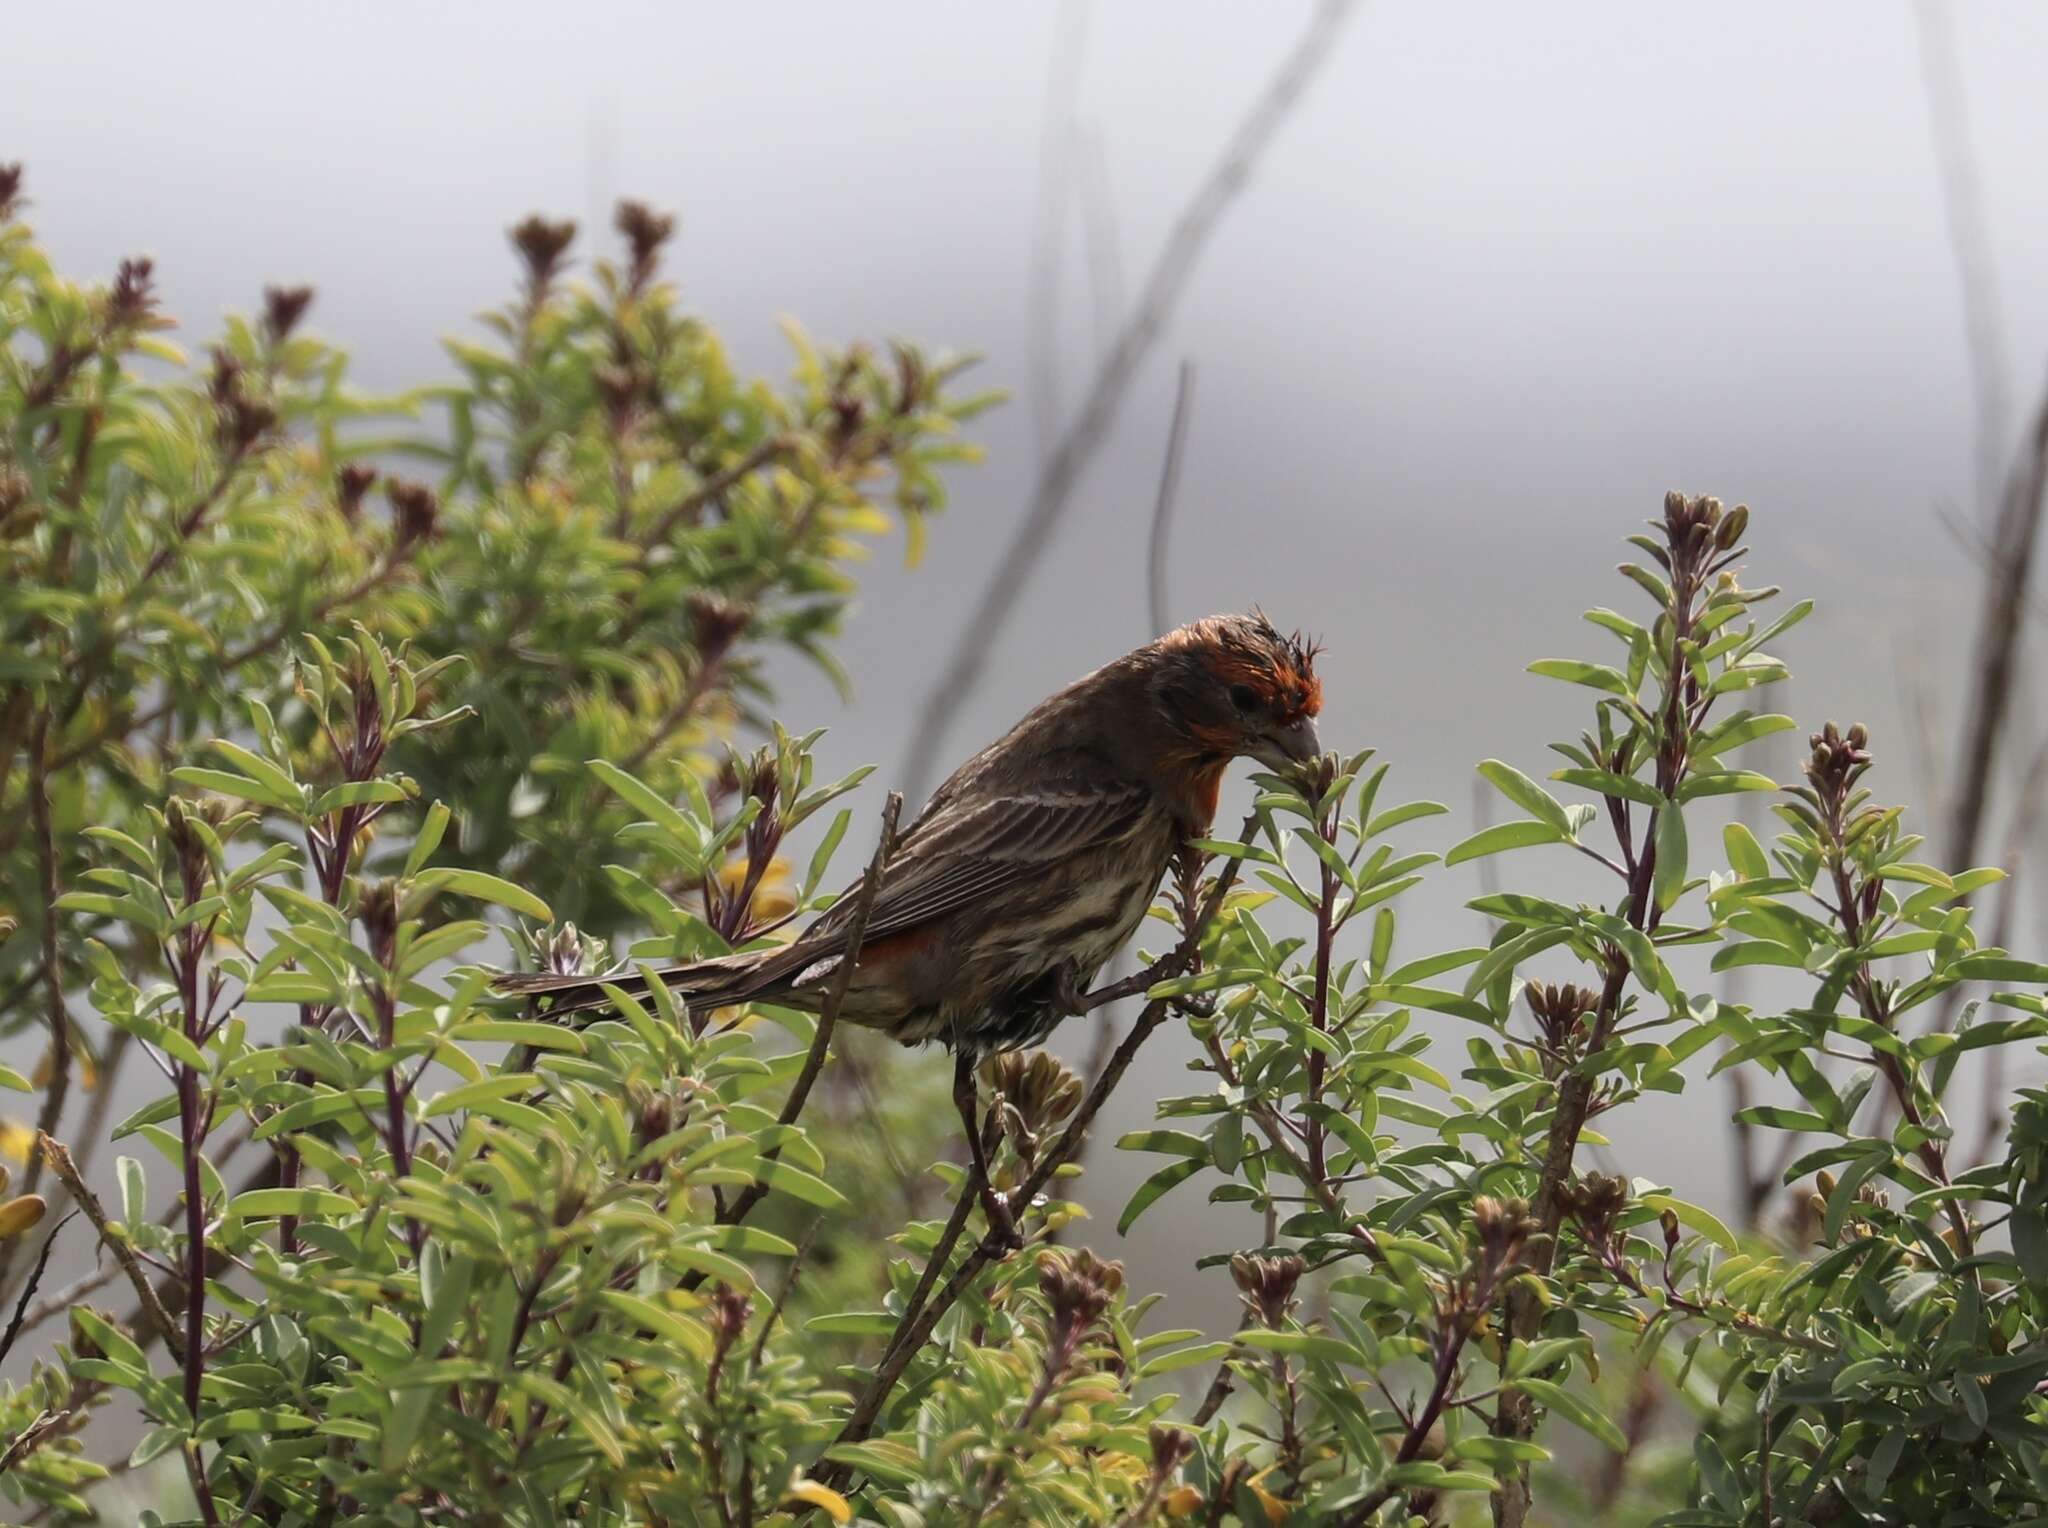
x: 1003, y: 1235
x: 1196, y: 1005
x: 1068, y: 998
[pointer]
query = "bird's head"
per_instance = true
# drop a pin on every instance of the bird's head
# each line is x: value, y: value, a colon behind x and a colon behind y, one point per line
x: 1234, y: 685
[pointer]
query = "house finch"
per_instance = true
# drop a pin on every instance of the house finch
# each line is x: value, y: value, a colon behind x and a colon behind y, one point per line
x: 1037, y: 859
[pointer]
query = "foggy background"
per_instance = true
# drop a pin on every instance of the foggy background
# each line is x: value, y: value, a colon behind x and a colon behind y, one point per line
x: 1504, y: 277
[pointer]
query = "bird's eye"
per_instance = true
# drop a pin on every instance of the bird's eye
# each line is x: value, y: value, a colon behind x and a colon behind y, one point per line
x: 1243, y: 696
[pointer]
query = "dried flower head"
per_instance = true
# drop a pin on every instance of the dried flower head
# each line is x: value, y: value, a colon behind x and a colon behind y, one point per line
x: 131, y: 300
x: 1267, y: 1285
x: 351, y: 485
x: 1560, y: 1009
x: 283, y: 307
x: 1592, y: 1203
x: 1033, y: 1092
x: 541, y: 243
x: 645, y: 231
x: 1838, y: 760
x: 1504, y: 1227
x: 378, y: 912
x: 715, y: 624
x: 239, y: 420
x: 415, y: 510
x: 1079, y: 1287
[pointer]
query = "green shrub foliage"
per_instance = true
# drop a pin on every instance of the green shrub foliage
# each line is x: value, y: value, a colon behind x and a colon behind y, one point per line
x: 290, y: 746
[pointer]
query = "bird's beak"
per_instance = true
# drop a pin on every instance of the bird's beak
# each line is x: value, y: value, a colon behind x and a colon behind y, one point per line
x: 1285, y: 747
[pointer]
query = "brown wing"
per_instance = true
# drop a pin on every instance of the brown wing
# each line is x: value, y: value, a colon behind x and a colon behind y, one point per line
x: 970, y: 851
x: 960, y: 853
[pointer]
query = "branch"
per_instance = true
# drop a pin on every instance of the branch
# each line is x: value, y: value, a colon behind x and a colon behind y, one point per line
x: 715, y: 487
x: 828, y: 1013
x: 916, y: 1326
x: 66, y: 1172
x: 1112, y: 381
x: 28, y: 1290
x: 1169, y: 487
x: 1998, y: 632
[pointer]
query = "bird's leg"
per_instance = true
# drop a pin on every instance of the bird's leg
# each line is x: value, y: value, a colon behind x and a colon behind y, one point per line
x: 1000, y: 1220
x: 1069, y: 998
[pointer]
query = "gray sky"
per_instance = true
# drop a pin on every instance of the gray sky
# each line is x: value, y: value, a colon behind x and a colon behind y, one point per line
x: 1509, y: 274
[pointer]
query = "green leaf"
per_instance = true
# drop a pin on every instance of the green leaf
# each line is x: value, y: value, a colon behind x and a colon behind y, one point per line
x: 1156, y: 1186
x: 259, y: 1203
x: 853, y: 1323
x: 359, y: 793
x: 222, y: 783
x: 798, y: 1184
x: 662, y: 813
x: 1573, y: 1409
x: 1596, y: 675
x: 1775, y: 1118
x: 1302, y: 1345
x: 1528, y: 795
x: 1503, y: 836
x: 1737, y: 730
x: 1698, y: 1219
x: 490, y: 888
x: 1745, y: 854
x: 1671, y: 853
x: 1607, y: 783
x: 1394, y: 816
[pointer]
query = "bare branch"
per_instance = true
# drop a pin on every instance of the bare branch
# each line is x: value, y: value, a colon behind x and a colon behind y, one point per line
x: 1962, y: 191
x: 1111, y: 384
x: 1169, y: 488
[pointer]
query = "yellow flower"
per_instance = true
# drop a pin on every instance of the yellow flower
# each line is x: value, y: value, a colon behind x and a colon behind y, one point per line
x: 16, y: 1140
x: 19, y: 1215
x: 811, y: 1494
x: 773, y: 896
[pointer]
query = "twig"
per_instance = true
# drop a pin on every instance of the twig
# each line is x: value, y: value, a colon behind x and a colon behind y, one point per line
x: 715, y: 487
x: 828, y: 1013
x: 1969, y: 232
x: 1099, y: 238
x: 58, y: 1016
x: 1169, y: 487
x: 30, y: 1438
x: 1055, y: 164
x: 1157, y: 300
x: 915, y: 1328
x: 1996, y: 658
x: 1219, y: 1387
x: 67, y: 1174
x: 35, y: 1278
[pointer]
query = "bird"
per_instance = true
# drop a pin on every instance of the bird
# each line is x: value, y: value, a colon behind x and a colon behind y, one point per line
x: 1034, y: 862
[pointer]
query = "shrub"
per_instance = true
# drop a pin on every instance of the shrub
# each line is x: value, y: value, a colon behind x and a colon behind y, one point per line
x: 501, y: 1269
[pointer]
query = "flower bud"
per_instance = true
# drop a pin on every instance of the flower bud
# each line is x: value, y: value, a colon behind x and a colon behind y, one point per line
x: 1267, y: 1285
x: 19, y: 1215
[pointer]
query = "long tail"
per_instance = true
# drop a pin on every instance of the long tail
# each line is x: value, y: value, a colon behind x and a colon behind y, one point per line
x: 703, y: 984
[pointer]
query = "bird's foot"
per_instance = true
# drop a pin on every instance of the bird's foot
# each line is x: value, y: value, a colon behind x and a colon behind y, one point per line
x: 1196, y: 1005
x: 1069, y: 998
x: 1004, y: 1236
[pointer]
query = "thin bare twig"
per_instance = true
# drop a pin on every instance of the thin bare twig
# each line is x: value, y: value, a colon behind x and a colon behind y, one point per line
x: 1078, y: 444
x: 1996, y: 661
x: 1057, y: 135
x: 1969, y: 232
x: 123, y: 1253
x: 828, y: 1012
x: 1099, y: 238
x: 28, y: 1290
x: 916, y: 1325
x: 1169, y: 489
x: 56, y: 1013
